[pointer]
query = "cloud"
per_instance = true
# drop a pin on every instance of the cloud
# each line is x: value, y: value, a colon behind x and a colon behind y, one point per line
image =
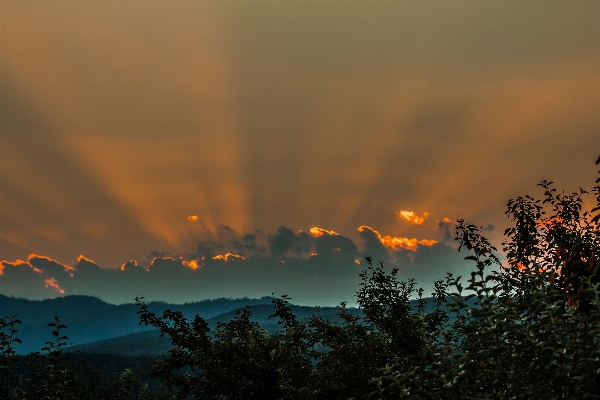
x: 33, y: 278
x: 83, y: 258
x: 445, y: 227
x: 228, y: 256
x: 411, y: 217
x: 53, y: 283
x: 129, y: 265
x: 398, y: 243
x: 316, y: 231
x: 320, y: 266
x: 226, y: 240
x: 283, y: 242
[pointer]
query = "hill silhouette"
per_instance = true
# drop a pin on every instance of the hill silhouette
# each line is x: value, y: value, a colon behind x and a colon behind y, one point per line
x: 89, y: 319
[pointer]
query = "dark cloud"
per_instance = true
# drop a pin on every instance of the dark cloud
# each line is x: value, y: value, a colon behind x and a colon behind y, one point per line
x: 248, y: 245
x: 446, y: 229
x: 283, y: 242
x: 156, y: 253
x: 321, y: 268
x: 336, y: 249
x: 373, y: 246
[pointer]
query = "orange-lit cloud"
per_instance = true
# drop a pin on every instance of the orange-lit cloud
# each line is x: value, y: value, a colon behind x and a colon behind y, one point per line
x: 227, y: 256
x: 134, y: 262
x: 317, y: 232
x: 33, y: 255
x: 192, y: 218
x: 84, y: 258
x: 192, y: 264
x: 161, y: 258
x: 18, y: 262
x: 52, y: 282
x: 398, y: 243
x: 413, y: 218
x: 258, y: 274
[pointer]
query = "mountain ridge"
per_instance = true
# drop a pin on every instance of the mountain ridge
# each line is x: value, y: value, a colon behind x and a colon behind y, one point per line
x: 89, y: 319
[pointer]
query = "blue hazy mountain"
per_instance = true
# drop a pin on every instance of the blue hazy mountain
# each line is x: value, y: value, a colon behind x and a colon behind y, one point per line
x: 89, y: 319
x: 150, y: 342
x: 94, y: 326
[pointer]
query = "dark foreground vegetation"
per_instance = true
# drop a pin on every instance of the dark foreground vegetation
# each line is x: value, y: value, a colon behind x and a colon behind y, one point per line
x: 527, y: 328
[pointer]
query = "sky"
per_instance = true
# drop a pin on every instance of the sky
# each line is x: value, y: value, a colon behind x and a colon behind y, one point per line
x: 199, y: 149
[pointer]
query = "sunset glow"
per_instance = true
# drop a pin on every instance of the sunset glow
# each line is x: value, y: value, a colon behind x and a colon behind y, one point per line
x: 155, y: 259
x: 413, y: 218
x: 227, y: 256
x: 33, y: 256
x: 187, y: 134
x: 17, y: 262
x: 193, y: 264
x: 20, y: 262
x: 53, y: 283
x: 84, y: 258
x: 134, y: 262
x: 398, y: 243
x: 317, y: 232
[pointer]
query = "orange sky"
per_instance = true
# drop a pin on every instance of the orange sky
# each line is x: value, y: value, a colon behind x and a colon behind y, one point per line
x: 119, y: 120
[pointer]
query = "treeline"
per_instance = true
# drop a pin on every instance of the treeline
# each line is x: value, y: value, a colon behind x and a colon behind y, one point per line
x: 524, y: 328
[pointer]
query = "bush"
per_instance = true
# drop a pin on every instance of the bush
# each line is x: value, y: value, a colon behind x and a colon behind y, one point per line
x: 528, y: 328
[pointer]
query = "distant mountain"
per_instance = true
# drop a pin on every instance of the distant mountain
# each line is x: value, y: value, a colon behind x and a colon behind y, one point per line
x: 94, y: 326
x: 89, y: 319
x: 149, y: 342
x: 134, y: 344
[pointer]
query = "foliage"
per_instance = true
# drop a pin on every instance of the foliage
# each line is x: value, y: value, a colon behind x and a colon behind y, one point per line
x: 54, y: 374
x: 532, y: 330
x: 525, y: 328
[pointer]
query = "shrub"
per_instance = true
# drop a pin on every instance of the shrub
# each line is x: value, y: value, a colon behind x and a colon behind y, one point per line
x: 528, y: 328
